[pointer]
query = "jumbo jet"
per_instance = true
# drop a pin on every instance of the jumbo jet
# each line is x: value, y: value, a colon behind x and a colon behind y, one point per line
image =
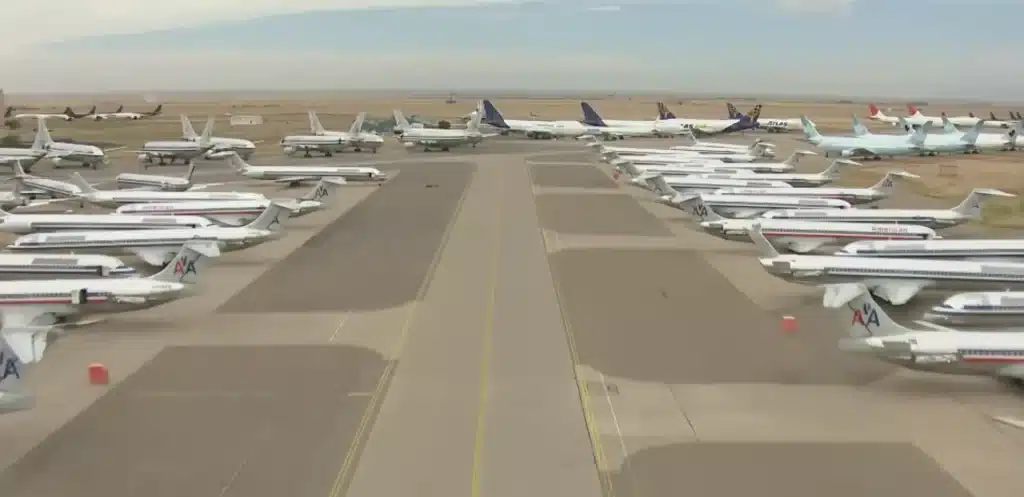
x: 695, y: 184
x: 797, y: 236
x: 895, y: 280
x: 874, y: 147
x: 44, y: 223
x: 69, y: 154
x: 30, y: 266
x: 856, y: 196
x: 968, y: 210
x: 157, y: 246
x: 671, y: 127
x: 440, y: 139
x: 994, y: 308
x: 535, y: 129
x: 31, y: 308
x: 115, y: 198
x: 172, y: 150
x: 132, y: 116
x: 294, y: 175
x: 221, y: 145
x: 802, y: 180
x: 355, y: 137
x: 748, y: 206
x: 769, y: 124
x: 239, y: 212
x: 937, y: 349
x: 67, y: 115
x: 1011, y: 249
x: 984, y: 141
x: 916, y: 119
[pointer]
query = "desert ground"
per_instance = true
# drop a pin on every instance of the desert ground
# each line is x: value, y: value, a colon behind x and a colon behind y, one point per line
x: 505, y: 320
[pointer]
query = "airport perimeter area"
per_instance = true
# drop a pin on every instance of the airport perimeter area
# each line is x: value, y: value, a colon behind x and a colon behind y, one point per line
x: 502, y: 321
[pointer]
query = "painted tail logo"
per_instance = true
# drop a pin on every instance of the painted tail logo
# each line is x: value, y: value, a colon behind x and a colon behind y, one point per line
x: 321, y: 192
x: 185, y: 266
x: 699, y: 209
x: 10, y: 367
x: 888, y: 182
x: 866, y: 317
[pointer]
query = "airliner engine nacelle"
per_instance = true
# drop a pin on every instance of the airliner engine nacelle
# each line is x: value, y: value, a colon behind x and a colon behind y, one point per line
x: 144, y: 157
x: 58, y: 162
x: 289, y: 150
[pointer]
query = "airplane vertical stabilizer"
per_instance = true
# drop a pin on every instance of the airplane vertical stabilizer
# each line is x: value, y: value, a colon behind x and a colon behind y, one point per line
x: 590, y: 116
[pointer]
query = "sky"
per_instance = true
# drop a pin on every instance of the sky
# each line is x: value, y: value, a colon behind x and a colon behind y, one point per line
x: 846, y: 48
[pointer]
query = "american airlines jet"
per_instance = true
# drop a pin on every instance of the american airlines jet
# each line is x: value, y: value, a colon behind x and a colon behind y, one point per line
x: 293, y: 175
x: 355, y: 137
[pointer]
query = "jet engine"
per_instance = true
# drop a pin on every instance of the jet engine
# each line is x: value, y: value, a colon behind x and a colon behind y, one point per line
x: 144, y: 157
x: 289, y: 150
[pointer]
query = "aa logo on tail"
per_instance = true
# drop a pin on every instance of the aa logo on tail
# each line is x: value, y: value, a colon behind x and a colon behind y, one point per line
x: 321, y: 192
x: 185, y: 266
x: 888, y: 183
x: 10, y: 367
x: 866, y: 317
x: 275, y: 221
x: 700, y: 210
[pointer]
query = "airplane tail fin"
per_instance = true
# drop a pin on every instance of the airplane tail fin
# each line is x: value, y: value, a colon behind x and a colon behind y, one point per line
x: 992, y: 116
x: 731, y: 109
x: 875, y: 112
x: 191, y: 171
x: 237, y: 163
x: 43, y: 138
x: 13, y: 394
x: 921, y: 134
x: 762, y: 243
x: 663, y: 112
x: 157, y: 111
x: 972, y: 205
x: 590, y: 116
x: 694, y: 204
x: 793, y: 159
x: 119, y: 109
x: 190, y: 263
x: 357, y: 125
x: 630, y: 168
x: 859, y: 314
x: 272, y: 218
x: 887, y: 184
x: 400, y: 121
x: 19, y: 171
x: 323, y: 191
x: 473, y: 126
x: 912, y: 110
x: 810, y: 131
x: 859, y: 129
x: 754, y: 113
x: 187, y: 131
x: 947, y: 125
x: 7, y: 113
x: 833, y: 169
x: 492, y: 116
x: 204, y: 138
x: 659, y: 185
x: 82, y: 183
x: 314, y: 123
x: 972, y: 135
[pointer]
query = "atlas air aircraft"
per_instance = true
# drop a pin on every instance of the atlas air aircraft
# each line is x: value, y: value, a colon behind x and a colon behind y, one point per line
x: 895, y: 280
x: 769, y: 124
x: 355, y: 137
x: 535, y: 129
x: 669, y: 127
x: 797, y: 236
x: 856, y: 196
x: 238, y: 212
x: 221, y: 145
x: 294, y: 175
x: 936, y: 349
x: 31, y: 308
x: 157, y: 246
x: 968, y: 210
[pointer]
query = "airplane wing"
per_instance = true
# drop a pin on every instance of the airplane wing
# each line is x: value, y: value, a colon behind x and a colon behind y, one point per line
x: 22, y: 330
x: 489, y: 135
x: 195, y: 188
x: 113, y: 149
x: 293, y: 179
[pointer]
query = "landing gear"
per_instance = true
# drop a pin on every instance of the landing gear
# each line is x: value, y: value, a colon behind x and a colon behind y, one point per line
x: 357, y: 149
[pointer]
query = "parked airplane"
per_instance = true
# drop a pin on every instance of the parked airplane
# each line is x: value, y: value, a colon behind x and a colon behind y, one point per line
x: 856, y: 196
x: 49, y: 186
x: 634, y: 170
x: 695, y: 184
x: 803, y: 180
x: 172, y: 150
x: 74, y: 115
x: 669, y: 127
x: 29, y: 266
x: 748, y: 206
x: 13, y: 395
x: 539, y: 129
x: 938, y: 349
x: 797, y: 236
x: 156, y: 182
x: 970, y: 120
x: 770, y: 124
x: 38, y: 223
x: 895, y: 280
x: 980, y: 309
x: 440, y: 139
x: 67, y: 115
x: 157, y: 246
x: 221, y: 145
x: 134, y: 116
x: 968, y: 210
x: 691, y: 141
x: 983, y: 141
x: 668, y: 156
x: 68, y: 154
x: 355, y: 137
x: 115, y: 198
x: 1011, y: 250
x: 239, y: 212
x: 29, y: 308
x: 874, y: 146
x: 670, y: 162
x: 293, y: 175
x: 307, y: 144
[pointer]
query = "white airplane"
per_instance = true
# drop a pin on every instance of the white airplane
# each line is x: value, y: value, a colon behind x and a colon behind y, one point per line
x: 13, y: 395
x: 681, y: 156
x: 937, y: 349
x: 39, y: 223
x: 115, y: 198
x: 798, y: 236
x: 293, y: 175
x: 172, y: 150
x: 669, y: 162
x: 156, y: 247
x: 68, y: 154
x: 440, y: 139
x: 52, y: 187
x: 689, y: 140
x: 307, y: 144
x: 856, y: 196
x: 973, y: 249
x: 682, y: 169
x: 156, y: 182
x: 748, y: 206
x: 980, y: 309
x: 968, y: 210
x: 63, y: 117
x: 239, y: 212
x: 803, y: 180
x: 355, y: 137
x: 754, y: 152
x: 535, y: 129
x: 984, y: 141
x: 670, y: 185
x: 31, y: 308
x: 895, y: 280
x: 16, y: 198
x: 132, y: 116
x: 915, y: 118
x: 29, y: 266
x: 671, y: 126
x: 221, y: 144
x: 759, y: 148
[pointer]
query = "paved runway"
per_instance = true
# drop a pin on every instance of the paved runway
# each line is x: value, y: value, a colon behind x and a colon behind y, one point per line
x: 497, y: 324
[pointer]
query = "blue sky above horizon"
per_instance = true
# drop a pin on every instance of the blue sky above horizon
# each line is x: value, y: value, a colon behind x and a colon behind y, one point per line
x: 901, y: 48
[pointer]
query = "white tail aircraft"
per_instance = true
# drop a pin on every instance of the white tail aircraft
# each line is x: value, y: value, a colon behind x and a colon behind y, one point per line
x: 881, y: 190
x: 13, y: 396
x: 239, y: 212
x: 694, y: 184
x: 30, y: 266
x: 938, y: 349
x: 30, y: 308
x: 221, y: 144
x: 68, y: 154
x: 45, y: 223
x: 355, y: 137
x: 440, y: 139
x: 172, y: 150
x: 116, y: 198
x: 293, y: 175
x: 748, y: 206
x: 155, y: 182
x: 803, y: 180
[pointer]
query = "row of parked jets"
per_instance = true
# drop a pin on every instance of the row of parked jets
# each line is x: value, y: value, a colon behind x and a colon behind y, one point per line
x: 70, y: 115
x: 64, y: 268
x: 796, y: 220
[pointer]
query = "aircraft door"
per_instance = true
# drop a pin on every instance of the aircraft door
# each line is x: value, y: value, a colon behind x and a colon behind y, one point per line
x: 80, y: 296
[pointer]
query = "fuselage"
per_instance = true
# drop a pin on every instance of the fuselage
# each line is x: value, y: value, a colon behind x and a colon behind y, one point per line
x: 29, y: 266
x: 854, y: 196
x: 967, y: 249
x: 803, y: 236
x: 230, y: 212
x: 115, y: 198
x: 37, y: 223
x: 932, y: 218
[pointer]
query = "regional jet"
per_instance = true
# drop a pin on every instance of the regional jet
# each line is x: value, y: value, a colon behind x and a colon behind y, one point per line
x: 29, y: 266
x: 46, y: 223
x: 221, y: 145
x: 803, y: 180
x: 115, y: 198
x: 69, y: 154
x: 895, y: 280
x: 695, y: 184
x: 937, y: 349
x: 968, y: 210
x: 157, y: 246
x: 293, y: 175
x: 355, y: 137
x: 980, y: 309
x: 748, y: 206
x: 856, y: 196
